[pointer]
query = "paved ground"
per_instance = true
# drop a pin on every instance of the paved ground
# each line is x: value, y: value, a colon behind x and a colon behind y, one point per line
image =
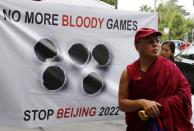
x: 117, y: 125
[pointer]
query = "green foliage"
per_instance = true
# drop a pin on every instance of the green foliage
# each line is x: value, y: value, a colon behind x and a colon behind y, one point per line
x: 111, y: 2
x: 175, y: 18
x: 146, y: 8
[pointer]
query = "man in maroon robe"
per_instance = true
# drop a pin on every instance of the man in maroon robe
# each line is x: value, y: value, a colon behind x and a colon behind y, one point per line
x: 156, y: 86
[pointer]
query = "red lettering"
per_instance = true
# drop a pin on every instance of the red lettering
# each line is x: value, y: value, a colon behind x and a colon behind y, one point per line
x: 94, y: 22
x: 65, y: 20
x: 60, y: 113
x: 67, y: 112
x: 92, y: 111
x: 101, y: 21
x: 82, y: 22
x: 80, y: 111
x: 79, y: 24
x: 72, y: 25
x: 87, y: 22
x: 76, y: 112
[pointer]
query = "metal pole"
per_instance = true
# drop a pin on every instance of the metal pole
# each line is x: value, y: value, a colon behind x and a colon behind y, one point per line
x: 116, y: 4
x: 192, y: 36
x: 155, y: 1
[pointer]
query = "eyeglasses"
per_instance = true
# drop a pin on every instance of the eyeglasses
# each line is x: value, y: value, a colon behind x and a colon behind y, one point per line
x: 150, y: 40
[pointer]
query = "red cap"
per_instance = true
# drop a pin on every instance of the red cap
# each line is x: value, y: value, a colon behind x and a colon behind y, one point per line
x: 145, y: 32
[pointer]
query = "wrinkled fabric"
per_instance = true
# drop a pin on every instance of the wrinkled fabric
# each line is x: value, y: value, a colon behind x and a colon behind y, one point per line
x: 162, y: 82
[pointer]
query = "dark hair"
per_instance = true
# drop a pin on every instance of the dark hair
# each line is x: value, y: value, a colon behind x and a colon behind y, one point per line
x: 172, y: 48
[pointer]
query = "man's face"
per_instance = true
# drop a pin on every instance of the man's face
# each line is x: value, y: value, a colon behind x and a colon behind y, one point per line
x: 149, y: 46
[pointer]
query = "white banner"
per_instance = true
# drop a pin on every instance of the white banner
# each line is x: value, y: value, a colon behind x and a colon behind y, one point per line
x: 62, y: 63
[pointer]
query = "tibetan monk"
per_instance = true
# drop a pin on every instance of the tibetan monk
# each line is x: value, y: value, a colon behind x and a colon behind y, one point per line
x: 153, y: 92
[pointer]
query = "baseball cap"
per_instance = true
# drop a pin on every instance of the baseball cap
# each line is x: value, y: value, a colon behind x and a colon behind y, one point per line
x: 145, y: 32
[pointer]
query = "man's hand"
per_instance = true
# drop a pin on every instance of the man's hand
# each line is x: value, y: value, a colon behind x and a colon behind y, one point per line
x: 151, y: 107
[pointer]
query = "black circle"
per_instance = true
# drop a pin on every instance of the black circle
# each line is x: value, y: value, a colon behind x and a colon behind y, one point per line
x: 79, y: 54
x: 54, y: 78
x: 45, y: 49
x: 92, y: 84
x: 101, y: 54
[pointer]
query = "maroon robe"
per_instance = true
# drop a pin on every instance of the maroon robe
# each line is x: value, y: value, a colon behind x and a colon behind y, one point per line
x: 162, y: 82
